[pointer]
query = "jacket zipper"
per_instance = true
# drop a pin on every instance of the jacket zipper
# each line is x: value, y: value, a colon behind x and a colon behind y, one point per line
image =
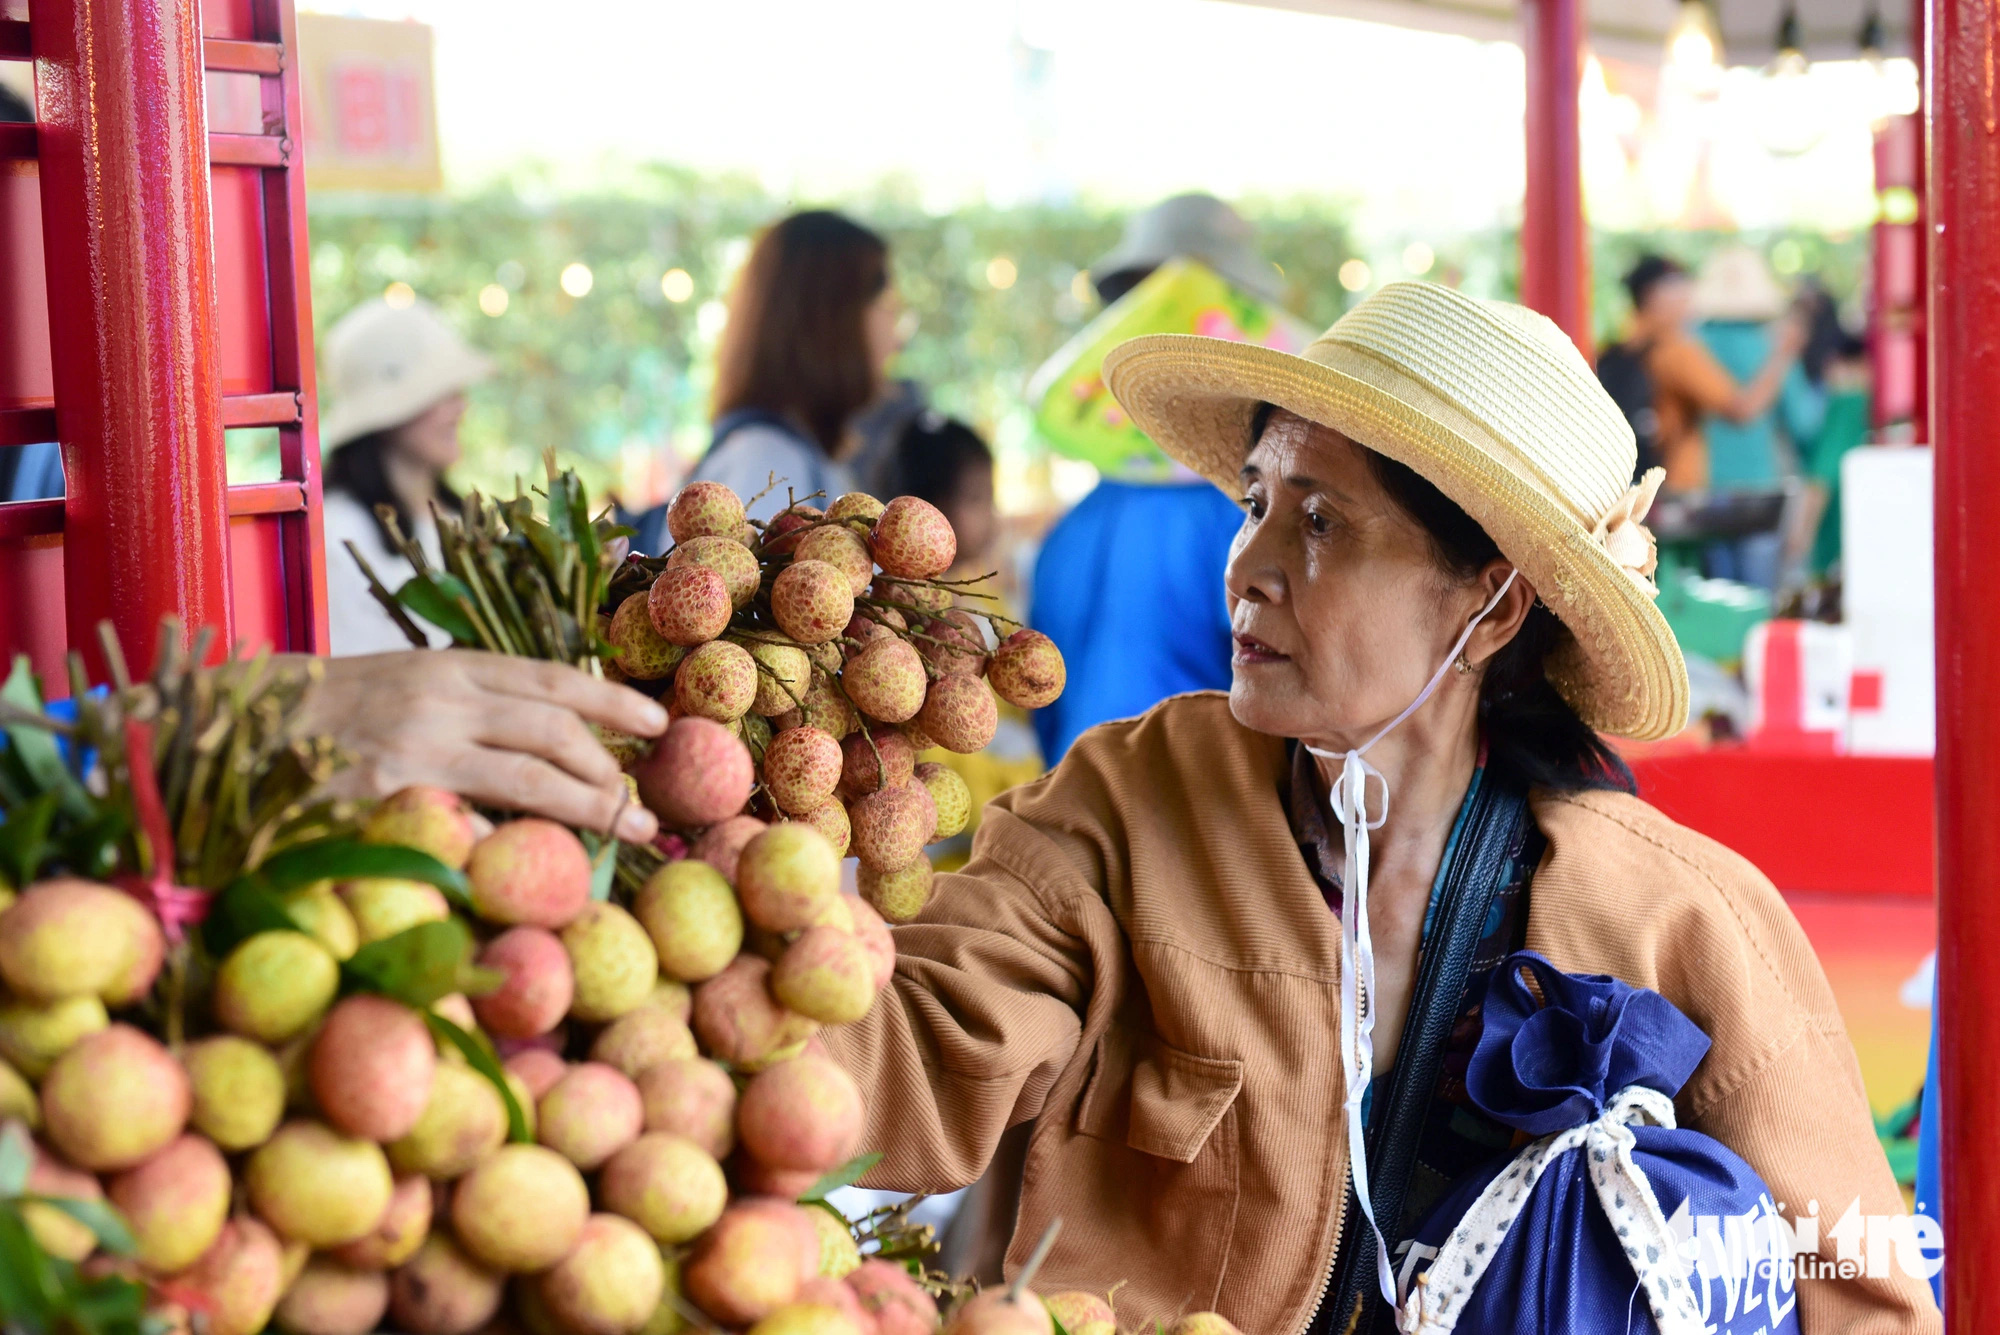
x: 1326, y: 1269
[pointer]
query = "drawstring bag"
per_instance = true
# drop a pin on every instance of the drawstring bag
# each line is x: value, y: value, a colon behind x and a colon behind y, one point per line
x: 1612, y: 1219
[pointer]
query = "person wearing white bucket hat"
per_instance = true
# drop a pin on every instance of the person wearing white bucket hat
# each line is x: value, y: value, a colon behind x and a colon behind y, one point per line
x: 1228, y: 956
x: 396, y: 375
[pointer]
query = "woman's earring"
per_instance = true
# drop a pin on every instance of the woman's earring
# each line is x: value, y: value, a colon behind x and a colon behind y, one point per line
x: 1462, y: 663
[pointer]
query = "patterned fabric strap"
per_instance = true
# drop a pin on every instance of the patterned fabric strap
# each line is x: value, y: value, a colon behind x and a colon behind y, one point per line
x: 1442, y: 1293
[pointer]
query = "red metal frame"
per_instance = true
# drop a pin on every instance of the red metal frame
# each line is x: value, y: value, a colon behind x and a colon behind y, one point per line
x: 1964, y: 186
x: 1555, y: 239
x: 248, y: 558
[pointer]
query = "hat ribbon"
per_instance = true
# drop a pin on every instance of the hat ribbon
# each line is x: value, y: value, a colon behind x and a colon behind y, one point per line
x: 1627, y: 540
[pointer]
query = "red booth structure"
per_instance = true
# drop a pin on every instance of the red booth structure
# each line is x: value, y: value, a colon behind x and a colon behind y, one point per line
x: 154, y: 293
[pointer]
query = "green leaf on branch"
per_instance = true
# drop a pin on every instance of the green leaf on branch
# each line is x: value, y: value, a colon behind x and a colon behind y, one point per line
x: 347, y: 859
x: 244, y: 909
x: 35, y: 749
x: 24, y: 838
x: 844, y: 1176
x: 417, y: 966
x: 603, y: 864
x: 434, y: 598
x: 100, y: 1218
x: 482, y: 1060
x: 29, y: 1286
x: 17, y: 1157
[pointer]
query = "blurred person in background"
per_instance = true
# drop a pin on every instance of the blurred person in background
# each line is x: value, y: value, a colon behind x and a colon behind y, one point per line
x: 1129, y: 582
x: 1746, y: 328
x: 812, y: 328
x: 396, y: 376
x: 1836, y: 361
x: 1688, y: 385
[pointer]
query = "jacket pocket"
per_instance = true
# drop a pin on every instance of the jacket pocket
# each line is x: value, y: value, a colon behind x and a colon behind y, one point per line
x: 1155, y: 1097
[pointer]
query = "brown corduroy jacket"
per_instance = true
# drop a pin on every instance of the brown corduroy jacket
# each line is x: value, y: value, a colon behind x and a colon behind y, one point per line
x: 1137, y: 959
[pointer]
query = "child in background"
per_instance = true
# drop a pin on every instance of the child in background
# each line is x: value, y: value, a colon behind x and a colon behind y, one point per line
x: 944, y: 461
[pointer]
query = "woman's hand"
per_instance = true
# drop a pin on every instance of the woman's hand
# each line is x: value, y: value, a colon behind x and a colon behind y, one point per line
x: 503, y: 731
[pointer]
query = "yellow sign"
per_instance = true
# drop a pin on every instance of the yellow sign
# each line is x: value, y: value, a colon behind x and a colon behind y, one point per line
x: 370, y: 104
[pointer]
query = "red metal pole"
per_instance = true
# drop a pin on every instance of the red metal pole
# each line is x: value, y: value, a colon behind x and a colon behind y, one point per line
x: 1555, y: 241
x: 1963, y: 109
x: 132, y: 317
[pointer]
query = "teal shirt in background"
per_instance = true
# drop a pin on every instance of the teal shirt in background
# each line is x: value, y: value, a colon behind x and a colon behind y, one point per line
x: 1743, y: 455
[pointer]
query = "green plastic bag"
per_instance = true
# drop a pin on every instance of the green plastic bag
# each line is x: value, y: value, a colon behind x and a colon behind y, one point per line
x: 1076, y: 414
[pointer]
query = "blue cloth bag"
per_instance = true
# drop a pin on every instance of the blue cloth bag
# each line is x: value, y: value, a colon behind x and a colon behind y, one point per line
x: 1611, y: 1219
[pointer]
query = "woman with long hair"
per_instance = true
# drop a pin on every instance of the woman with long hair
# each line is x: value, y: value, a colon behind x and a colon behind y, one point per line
x: 812, y: 328
x: 397, y: 377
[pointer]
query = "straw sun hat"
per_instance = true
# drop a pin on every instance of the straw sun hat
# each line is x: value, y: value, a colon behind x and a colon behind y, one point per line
x: 386, y: 364
x: 1496, y: 408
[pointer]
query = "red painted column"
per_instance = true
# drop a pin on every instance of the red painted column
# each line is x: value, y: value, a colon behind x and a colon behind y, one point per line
x: 1555, y: 241
x: 132, y: 317
x: 1963, y: 107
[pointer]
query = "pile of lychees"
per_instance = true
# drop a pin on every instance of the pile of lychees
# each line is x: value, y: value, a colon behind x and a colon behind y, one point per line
x: 827, y: 644
x: 619, y: 1149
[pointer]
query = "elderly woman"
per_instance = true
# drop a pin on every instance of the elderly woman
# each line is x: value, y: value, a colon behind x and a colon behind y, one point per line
x: 1224, y: 945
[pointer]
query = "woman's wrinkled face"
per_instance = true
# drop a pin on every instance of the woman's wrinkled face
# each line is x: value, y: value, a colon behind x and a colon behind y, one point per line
x: 1340, y: 610
x: 431, y: 437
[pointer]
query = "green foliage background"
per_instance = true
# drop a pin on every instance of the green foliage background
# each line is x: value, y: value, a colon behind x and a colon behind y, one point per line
x: 624, y: 369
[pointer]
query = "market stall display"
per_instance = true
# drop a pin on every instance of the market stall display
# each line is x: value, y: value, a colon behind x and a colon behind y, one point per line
x: 269, y: 1059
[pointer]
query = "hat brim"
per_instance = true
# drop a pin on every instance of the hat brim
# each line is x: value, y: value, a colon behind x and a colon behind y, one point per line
x: 1622, y: 671
x: 451, y: 373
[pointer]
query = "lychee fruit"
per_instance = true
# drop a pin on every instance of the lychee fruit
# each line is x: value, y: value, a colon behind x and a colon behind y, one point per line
x: 521, y: 1210
x: 612, y: 960
x: 238, y: 1091
x: 897, y: 1302
x: 641, y: 1039
x: 32, y: 1036
x: 925, y: 598
x: 331, y: 1299
x: 838, y: 1254
x: 740, y: 1022
x: 443, y: 1291
x: 869, y: 625
x: 748, y: 1265
x: 1203, y: 1323
x: 1082, y: 1311
x: 464, y: 1122
x: 874, y: 760
x: 891, y: 827
x: 856, y: 505
x: 803, y: 1114
x: 238, y: 1281
x: 691, y: 1097
x: 691, y: 914
x: 114, y: 1099
x: 667, y: 1184
x: 383, y: 906
x: 371, y: 1067
x: 899, y: 895
x: 830, y: 819
x: 825, y: 975
x: 536, y: 984
x: 67, y: 937
x: 325, y: 917
x: 400, y: 1231
x: 843, y: 549
x: 531, y: 872
x: 812, y: 601
x: 960, y: 714
x: 638, y: 648
x: 873, y: 934
x: 998, y: 1312
x: 536, y: 1068
x: 690, y: 605
x: 728, y: 558
x: 1027, y: 670
x: 954, y: 643
x: 430, y: 820
x: 704, y: 509
x: 58, y: 1233
x: 802, y: 768
x: 786, y: 876
x: 949, y: 795
x: 316, y: 1186
x: 175, y: 1202
x: 886, y: 680
x: 17, y: 1098
x: 913, y: 540
x: 717, y: 681
x: 788, y: 526
x: 589, y: 1114
x: 783, y: 673
x: 698, y: 774
x: 610, y: 1283
x: 824, y: 708
x: 722, y: 843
